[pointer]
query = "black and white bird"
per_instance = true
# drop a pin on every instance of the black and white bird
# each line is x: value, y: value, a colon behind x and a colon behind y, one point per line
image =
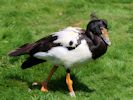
x: 67, y: 47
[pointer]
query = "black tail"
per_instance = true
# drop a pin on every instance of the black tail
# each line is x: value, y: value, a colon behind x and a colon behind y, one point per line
x: 24, y: 49
x: 31, y: 61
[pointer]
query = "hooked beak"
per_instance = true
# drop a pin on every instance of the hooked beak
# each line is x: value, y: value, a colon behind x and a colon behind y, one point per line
x: 105, y: 36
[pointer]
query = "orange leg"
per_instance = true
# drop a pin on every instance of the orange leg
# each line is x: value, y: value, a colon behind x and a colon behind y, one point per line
x: 44, y: 84
x: 69, y: 83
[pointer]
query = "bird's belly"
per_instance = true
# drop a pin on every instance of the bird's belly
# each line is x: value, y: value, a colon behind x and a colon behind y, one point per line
x: 61, y: 55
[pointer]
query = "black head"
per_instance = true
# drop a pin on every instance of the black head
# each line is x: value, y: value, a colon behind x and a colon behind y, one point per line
x: 98, y: 27
x: 95, y: 26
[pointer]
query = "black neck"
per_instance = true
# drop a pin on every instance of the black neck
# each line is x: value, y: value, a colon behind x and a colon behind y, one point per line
x: 96, y: 44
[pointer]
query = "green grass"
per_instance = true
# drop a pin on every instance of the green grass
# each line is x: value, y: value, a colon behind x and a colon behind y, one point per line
x: 107, y: 78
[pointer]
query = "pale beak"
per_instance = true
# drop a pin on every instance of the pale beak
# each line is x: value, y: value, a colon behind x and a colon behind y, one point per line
x: 106, y: 40
x: 105, y: 36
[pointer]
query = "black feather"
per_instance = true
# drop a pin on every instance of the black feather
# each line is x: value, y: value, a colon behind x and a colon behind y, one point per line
x: 31, y: 61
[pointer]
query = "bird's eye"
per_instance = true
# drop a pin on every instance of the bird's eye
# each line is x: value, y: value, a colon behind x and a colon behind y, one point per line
x: 71, y: 43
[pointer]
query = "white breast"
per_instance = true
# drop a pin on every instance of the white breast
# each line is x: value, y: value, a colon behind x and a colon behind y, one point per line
x: 67, y: 57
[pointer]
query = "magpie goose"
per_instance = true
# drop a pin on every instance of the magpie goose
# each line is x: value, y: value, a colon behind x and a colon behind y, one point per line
x: 66, y: 47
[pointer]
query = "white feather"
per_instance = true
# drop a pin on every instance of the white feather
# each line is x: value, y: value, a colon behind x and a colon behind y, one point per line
x: 68, y: 34
x: 61, y: 55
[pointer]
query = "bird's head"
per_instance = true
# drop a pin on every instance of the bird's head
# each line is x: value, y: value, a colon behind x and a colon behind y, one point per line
x: 98, y: 27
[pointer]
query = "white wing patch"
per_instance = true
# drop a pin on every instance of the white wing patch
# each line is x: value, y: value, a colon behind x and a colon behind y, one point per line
x: 67, y: 35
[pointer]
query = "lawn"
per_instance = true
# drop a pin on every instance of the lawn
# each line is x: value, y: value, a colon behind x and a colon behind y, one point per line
x: 108, y: 78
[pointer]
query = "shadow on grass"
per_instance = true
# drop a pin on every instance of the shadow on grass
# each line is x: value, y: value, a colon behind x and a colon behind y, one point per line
x: 60, y: 85
x: 57, y: 84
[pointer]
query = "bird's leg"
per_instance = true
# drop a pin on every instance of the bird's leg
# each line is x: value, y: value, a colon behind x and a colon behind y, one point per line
x: 44, y: 84
x: 69, y: 83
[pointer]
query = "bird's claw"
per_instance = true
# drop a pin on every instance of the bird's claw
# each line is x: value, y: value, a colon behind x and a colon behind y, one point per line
x: 44, y: 89
x: 44, y: 86
x: 72, y: 94
x: 35, y: 83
